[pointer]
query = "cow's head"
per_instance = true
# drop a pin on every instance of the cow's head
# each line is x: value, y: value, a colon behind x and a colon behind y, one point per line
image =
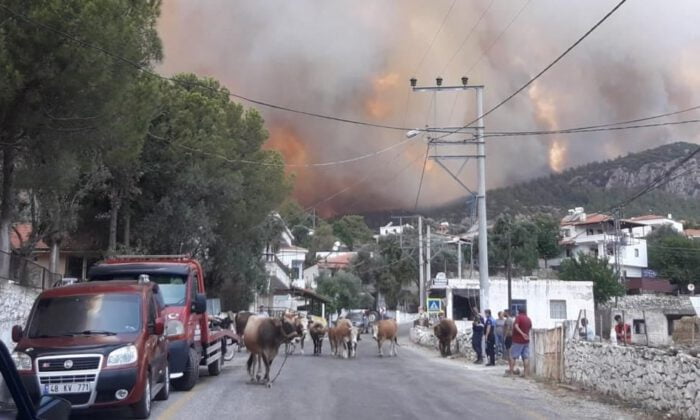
x: 285, y: 328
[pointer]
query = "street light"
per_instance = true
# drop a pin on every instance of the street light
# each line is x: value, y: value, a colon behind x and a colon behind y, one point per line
x: 411, y: 134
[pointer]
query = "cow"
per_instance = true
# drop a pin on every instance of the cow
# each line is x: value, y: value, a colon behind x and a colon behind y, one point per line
x: 263, y: 337
x: 352, y: 345
x: 317, y: 331
x: 343, y: 336
x: 333, y: 340
x: 386, y: 330
x: 240, y: 320
x: 300, y: 328
x: 446, y: 332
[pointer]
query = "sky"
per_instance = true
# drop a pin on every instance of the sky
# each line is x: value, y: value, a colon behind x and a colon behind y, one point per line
x: 354, y: 59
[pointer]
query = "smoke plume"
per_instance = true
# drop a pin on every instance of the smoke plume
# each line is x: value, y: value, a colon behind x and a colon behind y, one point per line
x: 353, y: 59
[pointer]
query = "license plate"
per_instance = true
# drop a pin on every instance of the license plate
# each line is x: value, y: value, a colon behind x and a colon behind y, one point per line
x: 73, y: 388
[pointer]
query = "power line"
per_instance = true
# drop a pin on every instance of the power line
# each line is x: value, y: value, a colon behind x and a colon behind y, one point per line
x: 495, y: 41
x: 658, y: 181
x: 543, y: 71
x: 593, y: 130
x: 469, y: 35
x: 430, y: 46
x: 288, y: 165
x: 149, y: 72
x: 422, y: 174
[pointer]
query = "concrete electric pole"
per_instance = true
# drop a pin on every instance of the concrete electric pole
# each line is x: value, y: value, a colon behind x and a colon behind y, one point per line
x: 442, y: 138
x: 421, y: 265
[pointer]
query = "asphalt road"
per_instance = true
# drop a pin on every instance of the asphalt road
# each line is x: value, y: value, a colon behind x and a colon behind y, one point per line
x: 416, y: 384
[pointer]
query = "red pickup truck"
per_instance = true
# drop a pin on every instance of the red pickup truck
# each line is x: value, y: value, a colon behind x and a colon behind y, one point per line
x: 192, y: 342
x: 96, y: 345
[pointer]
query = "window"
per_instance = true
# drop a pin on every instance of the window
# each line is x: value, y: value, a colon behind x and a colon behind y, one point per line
x: 636, y: 252
x: 639, y: 326
x: 517, y: 304
x: 568, y: 252
x: 557, y: 309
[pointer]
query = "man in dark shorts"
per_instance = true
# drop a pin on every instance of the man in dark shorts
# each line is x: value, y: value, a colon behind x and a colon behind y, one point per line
x: 507, y: 333
x: 521, y: 341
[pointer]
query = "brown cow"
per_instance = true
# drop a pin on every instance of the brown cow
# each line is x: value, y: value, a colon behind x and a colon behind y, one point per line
x: 263, y: 337
x: 333, y: 340
x: 386, y: 330
x: 446, y: 332
x: 317, y: 331
x: 240, y: 320
x: 297, y: 321
x: 343, y: 338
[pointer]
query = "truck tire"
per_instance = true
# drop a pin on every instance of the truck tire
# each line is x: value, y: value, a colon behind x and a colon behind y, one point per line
x: 164, y: 392
x: 191, y: 374
x: 142, y: 409
x: 215, y: 367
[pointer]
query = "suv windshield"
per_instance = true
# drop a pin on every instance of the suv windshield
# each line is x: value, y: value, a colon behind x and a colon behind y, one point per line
x: 103, y: 314
x: 173, y: 287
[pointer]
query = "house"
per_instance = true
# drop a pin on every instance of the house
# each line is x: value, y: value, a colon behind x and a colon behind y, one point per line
x: 601, y: 235
x: 391, y: 229
x: 652, y: 318
x: 76, y: 254
x: 692, y: 234
x: 548, y: 302
x: 652, y: 222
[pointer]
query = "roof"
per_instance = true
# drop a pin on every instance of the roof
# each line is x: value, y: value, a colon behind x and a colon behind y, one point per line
x: 692, y: 233
x: 20, y: 234
x: 337, y: 261
x: 95, y: 287
x: 294, y: 248
x: 648, y: 217
x: 102, y: 270
x: 298, y: 291
x: 648, y: 284
x: 591, y: 218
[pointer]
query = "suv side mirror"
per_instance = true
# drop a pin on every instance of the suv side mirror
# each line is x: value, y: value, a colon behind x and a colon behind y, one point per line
x: 199, y: 304
x: 159, y: 327
x: 17, y: 333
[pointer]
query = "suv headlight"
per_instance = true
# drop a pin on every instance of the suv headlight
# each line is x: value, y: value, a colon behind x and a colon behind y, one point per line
x: 123, y: 356
x: 22, y: 360
x: 174, y: 327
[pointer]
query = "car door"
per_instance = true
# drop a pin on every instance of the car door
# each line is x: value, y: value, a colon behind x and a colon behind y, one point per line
x: 154, y: 342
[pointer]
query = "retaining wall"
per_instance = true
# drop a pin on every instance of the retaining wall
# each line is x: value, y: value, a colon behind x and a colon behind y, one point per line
x: 657, y: 379
x: 15, y: 303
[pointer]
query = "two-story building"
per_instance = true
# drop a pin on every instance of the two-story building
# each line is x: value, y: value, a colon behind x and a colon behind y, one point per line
x: 601, y: 235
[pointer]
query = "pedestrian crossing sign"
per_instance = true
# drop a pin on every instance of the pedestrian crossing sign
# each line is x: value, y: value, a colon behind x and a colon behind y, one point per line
x: 434, y: 305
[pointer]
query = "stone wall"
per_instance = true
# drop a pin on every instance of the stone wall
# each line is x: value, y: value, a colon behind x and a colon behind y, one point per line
x: 423, y: 336
x: 15, y: 303
x: 656, y: 379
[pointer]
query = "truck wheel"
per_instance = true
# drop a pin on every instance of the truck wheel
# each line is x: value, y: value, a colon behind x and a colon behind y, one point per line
x: 164, y: 392
x: 190, y: 375
x: 215, y: 367
x: 142, y: 409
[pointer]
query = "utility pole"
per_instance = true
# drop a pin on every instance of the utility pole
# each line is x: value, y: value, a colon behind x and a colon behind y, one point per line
x: 421, y: 267
x: 427, y: 255
x: 459, y: 258
x: 478, y: 140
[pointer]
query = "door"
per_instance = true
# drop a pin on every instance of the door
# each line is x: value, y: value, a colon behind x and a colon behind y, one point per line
x: 156, y: 344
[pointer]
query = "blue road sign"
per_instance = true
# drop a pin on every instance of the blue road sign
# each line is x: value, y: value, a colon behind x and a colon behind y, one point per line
x: 434, y: 305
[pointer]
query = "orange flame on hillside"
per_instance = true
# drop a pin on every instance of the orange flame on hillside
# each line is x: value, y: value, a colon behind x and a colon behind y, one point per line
x: 377, y: 106
x: 545, y: 114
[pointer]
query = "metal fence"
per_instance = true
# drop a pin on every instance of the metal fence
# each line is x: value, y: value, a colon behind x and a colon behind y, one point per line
x: 27, y: 272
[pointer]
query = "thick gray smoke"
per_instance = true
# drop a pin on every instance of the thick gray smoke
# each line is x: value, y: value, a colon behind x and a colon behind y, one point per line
x: 353, y: 59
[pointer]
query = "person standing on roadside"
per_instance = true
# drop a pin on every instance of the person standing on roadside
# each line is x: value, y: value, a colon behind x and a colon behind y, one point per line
x: 500, y: 321
x: 478, y: 337
x: 623, y: 332
x: 507, y: 334
x: 490, y: 326
x: 521, y: 342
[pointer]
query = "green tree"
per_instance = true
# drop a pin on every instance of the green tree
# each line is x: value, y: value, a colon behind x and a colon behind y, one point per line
x: 674, y: 257
x: 548, y: 237
x: 513, y: 245
x: 585, y: 267
x: 55, y: 93
x: 352, y: 231
x: 344, y: 290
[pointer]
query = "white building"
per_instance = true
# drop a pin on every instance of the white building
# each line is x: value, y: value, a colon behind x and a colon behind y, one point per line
x: 652, y: 222
x: 548, y: 302
x: 596, y: 234
x: 392, y: 229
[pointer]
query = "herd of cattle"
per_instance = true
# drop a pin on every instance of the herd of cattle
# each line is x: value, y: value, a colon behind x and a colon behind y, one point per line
x: 262, y: 336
